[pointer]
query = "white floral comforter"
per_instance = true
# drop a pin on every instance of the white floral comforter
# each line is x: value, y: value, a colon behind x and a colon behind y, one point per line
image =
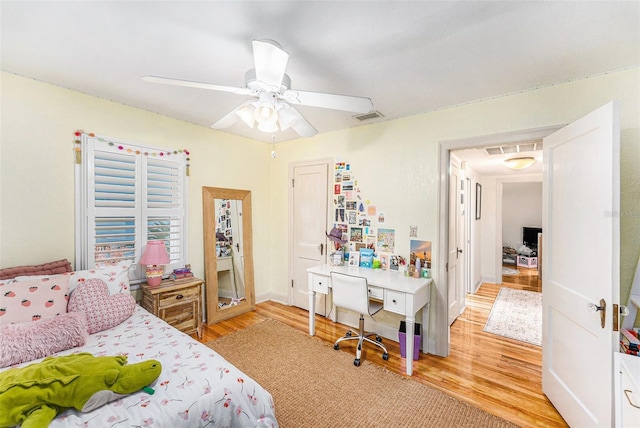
x: 197, y: 386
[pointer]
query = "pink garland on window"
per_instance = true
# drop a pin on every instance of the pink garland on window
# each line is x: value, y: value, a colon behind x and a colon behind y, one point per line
x: 78, y: 149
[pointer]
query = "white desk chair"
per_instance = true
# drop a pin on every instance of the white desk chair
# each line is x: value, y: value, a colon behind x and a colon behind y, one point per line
x: 352, y: 292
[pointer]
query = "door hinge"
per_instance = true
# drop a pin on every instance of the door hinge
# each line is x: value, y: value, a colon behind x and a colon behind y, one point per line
x: 446, y: 267
x: 293, y: 182
x: 292, y: 283
x: 616, y: 312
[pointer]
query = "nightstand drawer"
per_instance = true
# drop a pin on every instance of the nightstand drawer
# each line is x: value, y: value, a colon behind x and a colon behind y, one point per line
x: 176, y: 302
x: 179, y: 297
x: 182, y: 316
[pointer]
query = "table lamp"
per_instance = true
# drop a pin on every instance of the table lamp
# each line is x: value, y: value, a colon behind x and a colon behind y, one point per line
x: 155, y: 257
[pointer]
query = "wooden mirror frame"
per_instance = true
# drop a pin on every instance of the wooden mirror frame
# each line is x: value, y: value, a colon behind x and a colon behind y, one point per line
x: 209, y: 195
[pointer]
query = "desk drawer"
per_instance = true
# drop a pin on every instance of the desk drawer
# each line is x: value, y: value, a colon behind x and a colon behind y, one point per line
x: 321, y: 284
x: 224, y: 263
x: 394, y: 302
x: 376, y: 293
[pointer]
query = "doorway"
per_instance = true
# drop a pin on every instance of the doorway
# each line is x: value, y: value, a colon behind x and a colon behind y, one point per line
x: 521, y: 213
x: 485, y: 257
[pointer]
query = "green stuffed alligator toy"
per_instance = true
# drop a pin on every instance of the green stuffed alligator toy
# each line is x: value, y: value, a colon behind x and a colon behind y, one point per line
x: 34, y: 395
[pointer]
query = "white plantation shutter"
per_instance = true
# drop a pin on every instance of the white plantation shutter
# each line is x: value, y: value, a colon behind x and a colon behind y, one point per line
x: 128, y: 194
x: 163, y: 209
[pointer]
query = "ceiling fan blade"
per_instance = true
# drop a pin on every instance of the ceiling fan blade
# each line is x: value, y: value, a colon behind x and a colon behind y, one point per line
x: 270, y: 61
x: 199, y: 85
x: 232, y: 117
x: 302, y: 126
x: 332, y: 101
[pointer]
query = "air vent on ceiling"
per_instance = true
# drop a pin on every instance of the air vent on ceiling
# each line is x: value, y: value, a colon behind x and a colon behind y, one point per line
x: 529, y: 146
x: 494, y: 150
x: 369, y: 116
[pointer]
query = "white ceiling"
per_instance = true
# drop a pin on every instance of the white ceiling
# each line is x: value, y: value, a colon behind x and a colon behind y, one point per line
x: 409, y: 57
x: 489, y: 160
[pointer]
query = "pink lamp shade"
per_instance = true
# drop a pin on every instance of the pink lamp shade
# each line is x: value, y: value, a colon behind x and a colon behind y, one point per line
x: 154, y: 256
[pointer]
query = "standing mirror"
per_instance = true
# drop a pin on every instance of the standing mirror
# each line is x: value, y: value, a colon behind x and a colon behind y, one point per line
x: 228, y: 253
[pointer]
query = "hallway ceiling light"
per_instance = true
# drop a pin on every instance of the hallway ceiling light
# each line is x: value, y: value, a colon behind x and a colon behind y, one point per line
x: 520, y: 163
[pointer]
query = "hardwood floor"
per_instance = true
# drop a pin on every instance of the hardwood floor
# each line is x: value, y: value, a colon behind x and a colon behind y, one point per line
x: 499, y: 375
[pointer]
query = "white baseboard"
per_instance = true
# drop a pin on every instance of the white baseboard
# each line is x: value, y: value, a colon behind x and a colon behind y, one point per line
x: 276, y: 297
x: 490, y: 279
x: 477, y: 285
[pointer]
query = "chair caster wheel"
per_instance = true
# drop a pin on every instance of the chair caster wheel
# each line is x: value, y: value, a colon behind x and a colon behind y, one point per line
x: 336, y: 346
x: 385, y: 356
x: 378, y: 339
x: 348, y: 334
x: 356, y: 362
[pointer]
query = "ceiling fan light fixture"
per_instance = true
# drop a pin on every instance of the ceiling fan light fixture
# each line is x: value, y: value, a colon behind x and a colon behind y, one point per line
x: 286, y: 117
x: 520, y: 163
x: 245, y: 113
x: 268, y: 126
x: 266, y: 109
x: 265, y: 114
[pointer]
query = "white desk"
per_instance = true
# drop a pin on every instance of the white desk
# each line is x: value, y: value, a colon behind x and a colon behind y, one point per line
x: 225, y: 266
x: 400, y: 294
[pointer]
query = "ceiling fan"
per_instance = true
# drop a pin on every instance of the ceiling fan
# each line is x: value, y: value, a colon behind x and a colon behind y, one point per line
x: 268, y: 82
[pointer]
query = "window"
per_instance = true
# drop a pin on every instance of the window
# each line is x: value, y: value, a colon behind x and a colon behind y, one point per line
x: 126, y: 195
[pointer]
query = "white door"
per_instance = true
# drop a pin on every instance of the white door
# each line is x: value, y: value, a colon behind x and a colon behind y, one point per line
x: 456, y: 245
x: 580, y: 226
x: 309, y: 227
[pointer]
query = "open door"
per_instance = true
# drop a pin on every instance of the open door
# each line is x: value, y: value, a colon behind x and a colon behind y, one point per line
x: 456, y: 262
x: 581, y: 193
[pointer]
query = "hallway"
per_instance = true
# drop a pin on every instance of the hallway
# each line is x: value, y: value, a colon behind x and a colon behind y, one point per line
x: 526, y: 279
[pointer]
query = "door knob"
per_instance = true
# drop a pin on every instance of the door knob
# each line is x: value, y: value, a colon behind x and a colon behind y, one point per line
x: 602, y: 309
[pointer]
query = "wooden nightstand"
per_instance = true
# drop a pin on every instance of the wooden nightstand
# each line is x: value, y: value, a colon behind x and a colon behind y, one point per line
x: 177, y: 302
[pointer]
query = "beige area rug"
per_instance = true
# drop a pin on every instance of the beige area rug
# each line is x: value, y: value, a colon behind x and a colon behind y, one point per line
x: 517, y: 314
x: 314, y: 385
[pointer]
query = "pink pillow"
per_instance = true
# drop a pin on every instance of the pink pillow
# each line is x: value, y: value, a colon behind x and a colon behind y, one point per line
x: 103, y: 311
x: 30, y: 340
x: 32, y: 300
x: 115, y: 276
x: 51, y: 268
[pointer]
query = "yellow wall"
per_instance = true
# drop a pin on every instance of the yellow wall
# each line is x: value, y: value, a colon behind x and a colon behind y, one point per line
x: 396, y: 163
x: 37, y: 170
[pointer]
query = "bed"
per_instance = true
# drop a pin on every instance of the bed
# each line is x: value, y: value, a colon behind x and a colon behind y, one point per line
x: 197, y: 387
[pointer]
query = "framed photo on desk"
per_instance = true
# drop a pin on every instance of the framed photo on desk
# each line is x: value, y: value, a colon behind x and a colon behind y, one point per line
x: 385, y: 260
x: 394, y: 262
x: 354, y: 258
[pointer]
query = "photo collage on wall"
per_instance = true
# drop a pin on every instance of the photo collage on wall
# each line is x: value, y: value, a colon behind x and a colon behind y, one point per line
x: 369, y: 242
x: 361, y: 224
